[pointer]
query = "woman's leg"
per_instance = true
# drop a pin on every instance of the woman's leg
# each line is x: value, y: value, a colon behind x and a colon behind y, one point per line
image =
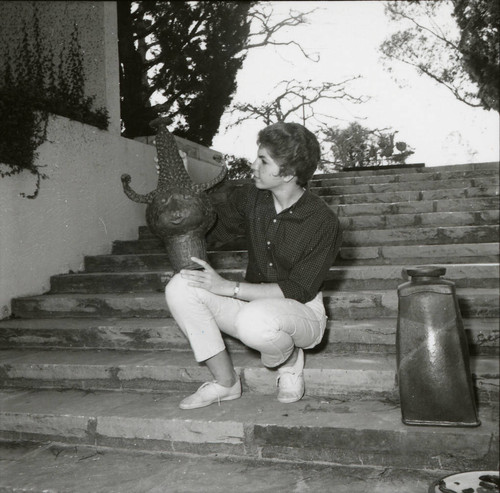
x: 201, y: 316
x: 279, y: 329
x: 275, y: 327
x: 222, y: 369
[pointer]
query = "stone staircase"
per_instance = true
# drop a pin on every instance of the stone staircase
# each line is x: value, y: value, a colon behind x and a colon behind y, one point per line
x: 98, y: 360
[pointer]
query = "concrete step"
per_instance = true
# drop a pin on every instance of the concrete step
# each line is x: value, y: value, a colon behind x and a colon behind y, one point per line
x: 347, y: 304
x: 367, y: 188
x: 325, y: 375
x: 341, y: 336
x: 418, y: 236
x: 366, y: 432
x: 364, y: 237
x: 423, y: 175
x: 416, y: 206
x: 403, y: 255
x: 473, y: 218
x: 419, y: 254
x: 173, y: 370
x: 414, y: 220
x: 412, y: 195
x: 63, y: 468
x: 339, y: 278
x: 476, y: 168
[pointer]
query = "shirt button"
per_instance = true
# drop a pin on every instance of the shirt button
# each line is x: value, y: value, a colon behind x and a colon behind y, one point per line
x: 268, y: 242
x: 270, y: 264
x: 274, y: 220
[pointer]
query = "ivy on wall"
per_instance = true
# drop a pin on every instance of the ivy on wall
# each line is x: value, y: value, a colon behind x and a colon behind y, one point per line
x: 31, y: 87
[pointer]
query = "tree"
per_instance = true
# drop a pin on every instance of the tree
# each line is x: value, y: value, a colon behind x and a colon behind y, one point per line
x: 463, y: 57
x: 187, y: 55
x: 479, y: 21
x: 297, y: 100
x: 185, y: 52
x: 356, y: 146
x: 237, y: 167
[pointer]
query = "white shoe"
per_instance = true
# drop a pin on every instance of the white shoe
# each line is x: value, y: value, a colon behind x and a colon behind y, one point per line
x: 209, y: 393
x: 290, y: 381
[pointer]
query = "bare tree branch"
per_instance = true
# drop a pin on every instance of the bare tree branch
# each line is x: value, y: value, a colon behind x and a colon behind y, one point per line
x: 401, y: 13
x: 293, y: 97
x: 454, y: 90
x: 266, y: 29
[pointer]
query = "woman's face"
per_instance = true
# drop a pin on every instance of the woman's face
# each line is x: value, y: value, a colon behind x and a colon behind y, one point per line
x: 266, y: 172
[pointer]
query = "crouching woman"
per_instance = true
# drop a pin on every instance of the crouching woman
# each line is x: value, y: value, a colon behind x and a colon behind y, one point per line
x: 293, y: 238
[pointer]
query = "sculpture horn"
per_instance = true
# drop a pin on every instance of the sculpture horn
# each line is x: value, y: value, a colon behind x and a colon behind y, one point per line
x: 201, y: 187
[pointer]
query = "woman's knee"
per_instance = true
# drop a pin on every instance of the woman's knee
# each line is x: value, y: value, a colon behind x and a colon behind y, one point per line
x: 256, y: 323
x: 177, y: 288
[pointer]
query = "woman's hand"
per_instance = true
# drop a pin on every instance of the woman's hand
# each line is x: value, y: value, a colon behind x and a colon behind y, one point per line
x: 208, y: 279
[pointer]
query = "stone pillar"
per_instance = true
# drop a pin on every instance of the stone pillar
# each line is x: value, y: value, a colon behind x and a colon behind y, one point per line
x: 97, y: 28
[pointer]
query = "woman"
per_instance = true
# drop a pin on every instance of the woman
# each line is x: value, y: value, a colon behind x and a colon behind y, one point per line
x: 293, y: 238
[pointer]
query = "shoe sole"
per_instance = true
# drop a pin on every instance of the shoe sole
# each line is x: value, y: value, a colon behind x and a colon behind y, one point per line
x: 290, y: 400
x: 227, y: 398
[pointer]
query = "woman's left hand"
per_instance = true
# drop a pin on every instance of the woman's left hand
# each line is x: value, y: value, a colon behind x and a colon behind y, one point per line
x: 207, y: 279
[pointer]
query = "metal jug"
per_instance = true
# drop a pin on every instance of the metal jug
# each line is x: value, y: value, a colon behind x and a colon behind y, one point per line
x: 434, y: 377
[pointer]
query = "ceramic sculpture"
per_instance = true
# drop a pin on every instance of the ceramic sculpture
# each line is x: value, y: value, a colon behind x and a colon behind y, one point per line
x: 179, y: 211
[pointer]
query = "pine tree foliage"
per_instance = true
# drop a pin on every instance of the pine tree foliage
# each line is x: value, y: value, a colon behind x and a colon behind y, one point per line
x: 479, y: 22
x: 188, y: 53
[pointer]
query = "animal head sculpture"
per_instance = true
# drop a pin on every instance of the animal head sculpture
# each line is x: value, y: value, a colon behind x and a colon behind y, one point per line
x: 178, y: 211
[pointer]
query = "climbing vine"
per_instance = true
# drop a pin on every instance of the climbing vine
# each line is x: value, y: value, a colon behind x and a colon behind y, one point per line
x: 31, y: 87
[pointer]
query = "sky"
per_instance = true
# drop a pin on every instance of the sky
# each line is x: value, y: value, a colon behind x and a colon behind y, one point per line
x: 347, y: 36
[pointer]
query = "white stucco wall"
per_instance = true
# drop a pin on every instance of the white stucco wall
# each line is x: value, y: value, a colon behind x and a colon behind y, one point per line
x: 80, y: 210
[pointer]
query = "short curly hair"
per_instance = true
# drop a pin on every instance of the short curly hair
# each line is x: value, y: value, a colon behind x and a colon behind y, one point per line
x: 295, y: 149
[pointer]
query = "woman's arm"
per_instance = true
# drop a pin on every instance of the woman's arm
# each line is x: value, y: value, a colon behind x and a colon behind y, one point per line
x: 210, y: 280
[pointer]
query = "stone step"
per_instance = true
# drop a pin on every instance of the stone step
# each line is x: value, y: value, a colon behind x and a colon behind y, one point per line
x: 90, y: 469
x: 423, y: 175
x: 412, y: 195
x: 366, y: 432
x: 339, y: 278
x: 341, y: 336
x: 364, y: 237
x: 347, y: 304
x: 418, y: 236
x: 477, y: 169
x: 174, y: 370
x: 473, y: 218
x: 419, y: 254
x: 325, y: 375
x: 414, y: 220
x: 416, y: 207
x: 367, y: 188
x: 402, y: 255
x: 408, y: 205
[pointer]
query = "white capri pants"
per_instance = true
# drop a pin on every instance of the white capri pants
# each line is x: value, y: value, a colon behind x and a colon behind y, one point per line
x: 274, y: 327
